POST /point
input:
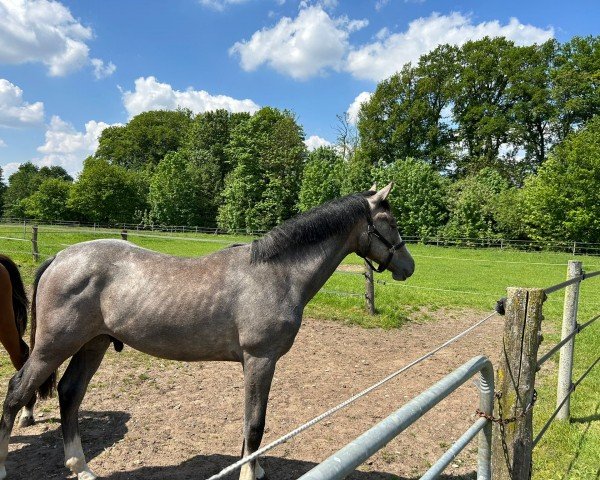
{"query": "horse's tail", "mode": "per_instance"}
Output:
(19, 296)
(49, 385)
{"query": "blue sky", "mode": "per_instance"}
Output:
(69, 69)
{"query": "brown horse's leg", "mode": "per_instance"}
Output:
(71, 390)
(258, 374)
(9, 336)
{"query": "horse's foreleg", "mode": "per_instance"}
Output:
(71, 390)
(258, 374)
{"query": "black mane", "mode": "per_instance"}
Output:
(332, 218)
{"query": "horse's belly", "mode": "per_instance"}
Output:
(180, 338)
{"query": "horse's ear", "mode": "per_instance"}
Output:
(382, 194)
(373, 187)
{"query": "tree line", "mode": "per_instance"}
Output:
(485, 140)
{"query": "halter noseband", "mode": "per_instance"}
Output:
(372, 230)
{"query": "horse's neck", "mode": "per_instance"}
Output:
(312, 266)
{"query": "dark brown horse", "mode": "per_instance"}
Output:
(13, 322)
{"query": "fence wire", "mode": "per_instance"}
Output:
(328, 413)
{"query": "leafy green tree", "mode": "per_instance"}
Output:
(21, 184)
(145, 140)
(357, 174)
(576, 83)
(508, 211)
(321, 179)
(532, 111)
(472, 204)
(2, 192)
(419, 199)
(481, 103)
(108, 193)
(268, 152)
(181, 193)
(563, 200)
(50, 200)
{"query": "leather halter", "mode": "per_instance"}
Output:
(372, 230)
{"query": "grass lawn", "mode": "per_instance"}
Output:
(444, 278)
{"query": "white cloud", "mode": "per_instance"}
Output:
(43, 31)
(14, 111)
(354, 107)
(380, 59)
(303, 47)
(314, 141)
(149, 94)
(102, 70)
(9, 169)
(220, 5)
(67, 147)
(2, 143)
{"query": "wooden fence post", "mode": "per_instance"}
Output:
(124, 234)
(565, 364)
(512, 442)
(369, 289)
(34, 243)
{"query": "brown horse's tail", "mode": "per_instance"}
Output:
(19, 296)
(49, 385)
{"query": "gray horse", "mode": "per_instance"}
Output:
(242, 304)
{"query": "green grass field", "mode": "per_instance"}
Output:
(444, 278)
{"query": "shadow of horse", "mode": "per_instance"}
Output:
(204, 466)
(41, 455)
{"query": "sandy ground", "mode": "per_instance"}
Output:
(146, 418)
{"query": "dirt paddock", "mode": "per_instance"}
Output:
(146, 418)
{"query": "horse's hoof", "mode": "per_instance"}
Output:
(260, 473)
(89, 475)
(27, 421)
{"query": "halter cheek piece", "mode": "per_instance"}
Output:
(371, 230)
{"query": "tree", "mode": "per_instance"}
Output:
(321, 179)
(532, 110)
(145, 140)
(357, 174)
(404, 117)
(108, 193)
(563, 200)
(268, 152)
(576, 83)
(472, 205)
(2, 192)
(481, 103)
(419, 201)
(50, 201)
(181, 192)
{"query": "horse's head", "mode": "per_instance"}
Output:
(381, 242)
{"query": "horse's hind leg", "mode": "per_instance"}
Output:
(21, 389)
(71, 390)
(26, 419)
(258, 374)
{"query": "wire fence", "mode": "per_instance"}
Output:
(20, 238)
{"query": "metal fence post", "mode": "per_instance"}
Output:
(369, 289)
(34, 243)
(512, 443)
(565, 364)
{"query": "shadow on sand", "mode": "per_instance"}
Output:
(41, 457)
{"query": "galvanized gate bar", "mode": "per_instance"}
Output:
(343, 462)
(439, 466)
